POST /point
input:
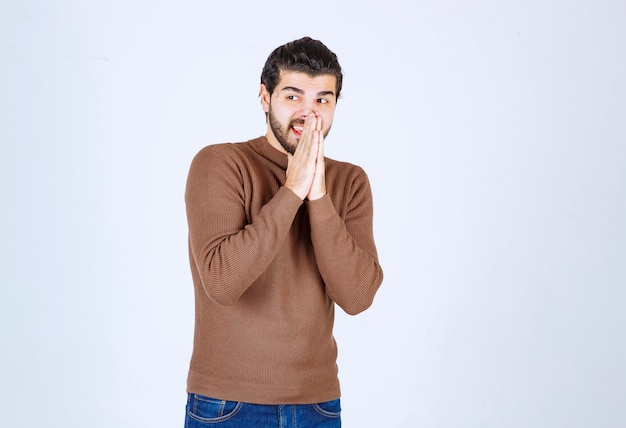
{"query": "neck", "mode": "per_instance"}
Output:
(271, 138)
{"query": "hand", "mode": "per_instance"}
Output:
(318, 186)
(302, 167)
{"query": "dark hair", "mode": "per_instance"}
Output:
(306, 55)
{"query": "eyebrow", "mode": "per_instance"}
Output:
(300, 91)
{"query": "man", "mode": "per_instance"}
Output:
(277, 235)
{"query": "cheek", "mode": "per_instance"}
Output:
(327, 120)
(279, 111)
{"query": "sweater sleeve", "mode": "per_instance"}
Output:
(228, 252)
(344, 247)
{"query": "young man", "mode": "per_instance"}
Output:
(278, 235)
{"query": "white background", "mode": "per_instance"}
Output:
(494, 135)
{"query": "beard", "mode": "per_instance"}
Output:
(282, 133)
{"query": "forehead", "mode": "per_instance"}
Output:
(306, 82)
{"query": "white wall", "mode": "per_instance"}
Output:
(494, 137)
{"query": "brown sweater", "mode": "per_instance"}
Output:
(267, 270)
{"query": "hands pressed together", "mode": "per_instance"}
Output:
(305, 168)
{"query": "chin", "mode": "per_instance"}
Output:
(289, 148)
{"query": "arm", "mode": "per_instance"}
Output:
(229, 253)
(344, 247)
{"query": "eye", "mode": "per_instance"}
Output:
(292, 97)
(322, 101)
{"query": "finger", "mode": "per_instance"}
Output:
(318, 126)
(312, 122)
(305, 142)
(306, 130)
(320, 146)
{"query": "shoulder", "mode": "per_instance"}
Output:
(225, 156)
(221, 151)
(217, 163)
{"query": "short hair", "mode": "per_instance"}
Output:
(305, 55)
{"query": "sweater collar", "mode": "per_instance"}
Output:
(265, 149)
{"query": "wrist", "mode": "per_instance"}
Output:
(300, 194)
(317, 195)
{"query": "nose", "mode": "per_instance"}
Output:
(308, 107)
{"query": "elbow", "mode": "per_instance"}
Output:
(355, 308)
(220, 294)
(219, 288)
(363, 299)
(222, 299)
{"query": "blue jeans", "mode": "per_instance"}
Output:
(205, 412)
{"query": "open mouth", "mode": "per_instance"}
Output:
(297, 127)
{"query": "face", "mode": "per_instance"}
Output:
(295, 96)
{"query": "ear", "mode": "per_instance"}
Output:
(265, 98)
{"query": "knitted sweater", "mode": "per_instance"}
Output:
(267, 270)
